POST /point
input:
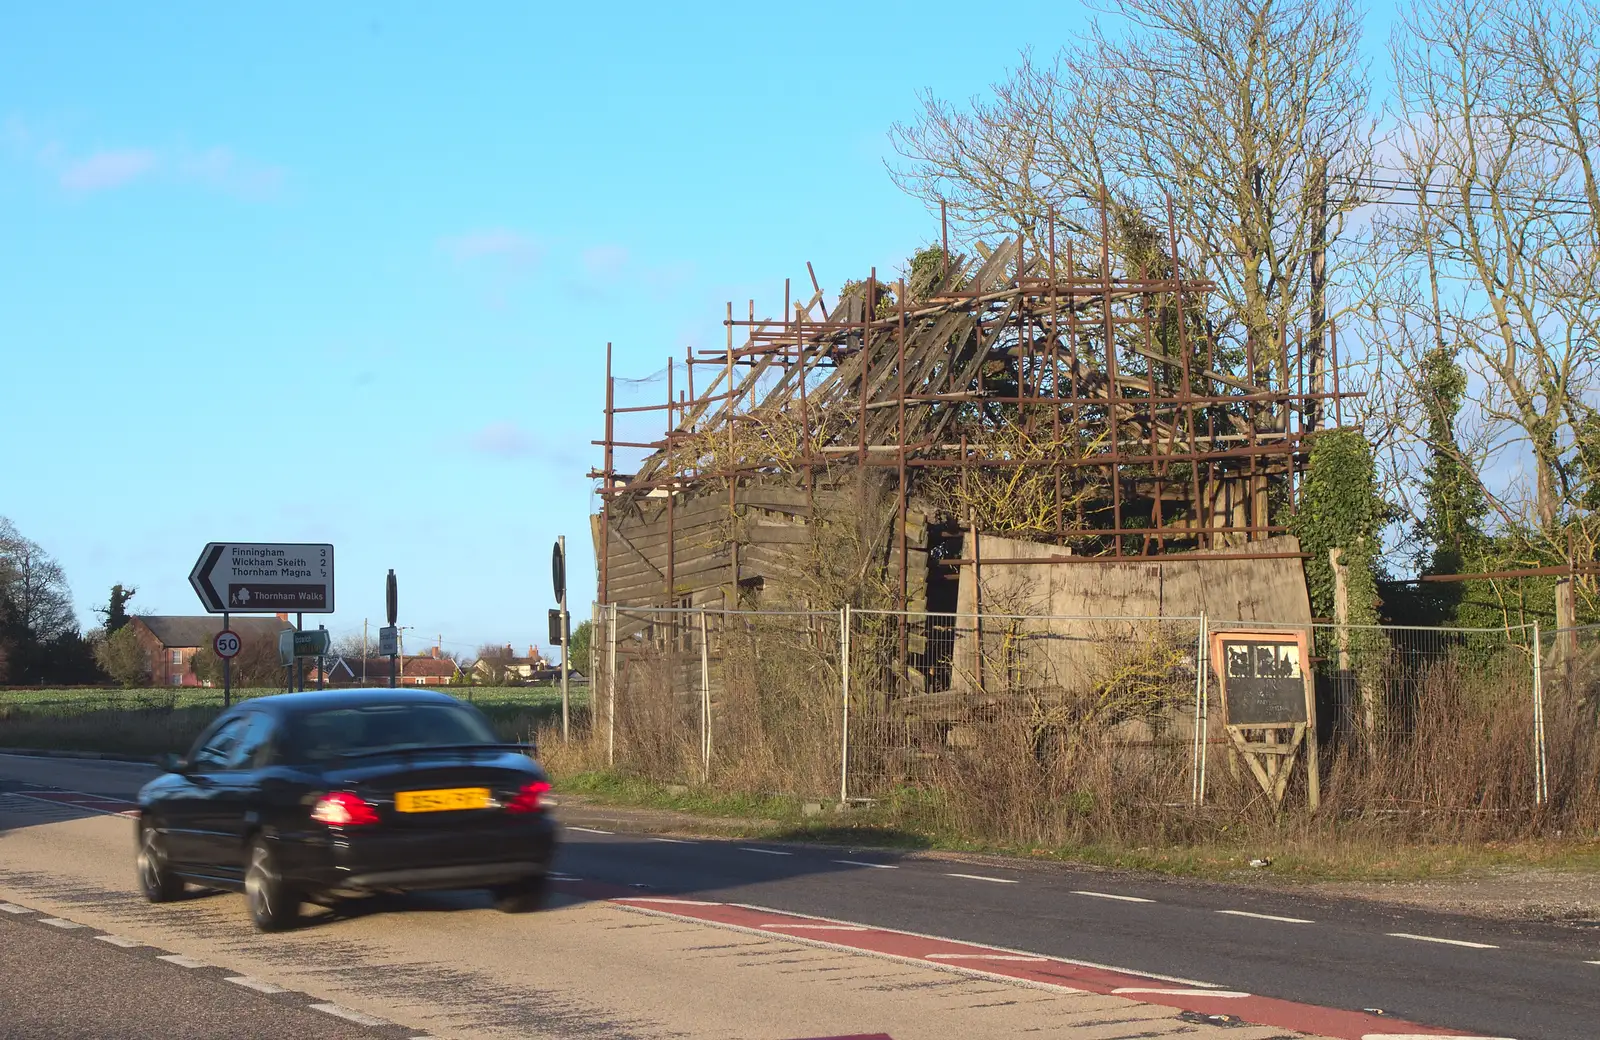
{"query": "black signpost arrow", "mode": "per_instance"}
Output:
(200, 578)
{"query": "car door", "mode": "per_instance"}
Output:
(232, 799)
(184, 806)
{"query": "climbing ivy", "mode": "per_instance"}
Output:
(1340, 507)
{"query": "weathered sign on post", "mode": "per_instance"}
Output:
(1269, 705)
(265, 578)
(389, 635)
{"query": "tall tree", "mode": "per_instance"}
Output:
(1499, 107)
(34, 585)
(116, 611)
(1242, 111)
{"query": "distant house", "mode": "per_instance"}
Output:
(509, 668)
(426, 670)
(169, 643)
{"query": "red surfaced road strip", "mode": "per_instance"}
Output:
(950, 953)
(1038, 969)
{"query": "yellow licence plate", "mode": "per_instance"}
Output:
(442, 801)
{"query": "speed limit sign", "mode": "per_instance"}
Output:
(226, 644)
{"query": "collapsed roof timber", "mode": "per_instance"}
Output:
(978, 394)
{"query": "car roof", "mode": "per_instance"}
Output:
(331, 700)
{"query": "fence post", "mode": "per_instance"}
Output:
(705, 698)
(611, 683)
(1198, 795)
(1541, 782)
(844, 672)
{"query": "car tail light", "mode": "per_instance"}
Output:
(343, 809)
(529, 799)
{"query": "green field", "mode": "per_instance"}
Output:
(150, 722)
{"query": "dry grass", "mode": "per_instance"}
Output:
(1448, 769)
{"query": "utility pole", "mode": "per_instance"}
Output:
(363, 651)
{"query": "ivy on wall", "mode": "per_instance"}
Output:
(1340, 508)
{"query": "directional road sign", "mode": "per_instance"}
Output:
(226, 644)
(265, 578)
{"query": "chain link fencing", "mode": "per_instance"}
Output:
(1071, 725)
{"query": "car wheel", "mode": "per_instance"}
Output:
(523, 897)
(274, 905)
(156, 878)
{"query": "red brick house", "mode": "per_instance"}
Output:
(170, 642)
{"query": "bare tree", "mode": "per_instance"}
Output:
(1245, 112)
(1496, 258)
(493, 662)
(34, 585)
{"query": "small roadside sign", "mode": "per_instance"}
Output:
(311, 642)
(227, 645)
(391, 598)
(558, 570)
(388, 641)
(265, 578)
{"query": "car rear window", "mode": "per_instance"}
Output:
(318, 735)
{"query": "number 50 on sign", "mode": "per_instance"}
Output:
(226, 644)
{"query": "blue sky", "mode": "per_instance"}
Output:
(346, 272)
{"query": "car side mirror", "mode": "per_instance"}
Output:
(171, 763)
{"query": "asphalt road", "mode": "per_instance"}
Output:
(1526, 981)
(59, 983)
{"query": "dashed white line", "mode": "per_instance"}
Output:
(1266, 917)
(982, 957)
(182, 961)
(588, 830)
(57, 922)
(256, 984)
(766, 852)
(862, 863)
(1447, 942)
(339, 1011)
(981, 877)
(1591, 962)
(675, 841)
(12, 908)
(1113, 895)
(119, 940)
(818, 927)
(1226, 994)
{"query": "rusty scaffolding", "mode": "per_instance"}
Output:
(1160, 434)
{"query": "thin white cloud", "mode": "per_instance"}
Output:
(511, 248)
(604, 261)
(108, 169)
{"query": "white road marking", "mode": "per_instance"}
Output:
(588, 830)
(1229, 994)
(672, 902)
(1267, 917)
(982, 957)
(980, 877)
(56, 922)
(256, 984)
(1113, 895)
(1447, 942)
(1586, 962)
(860, 863)
(766, 852)
(1424, 1036)
(339, 1011)
(819, 927)
(675, 841)
(119, 940)
(181, 961)
(12, 908)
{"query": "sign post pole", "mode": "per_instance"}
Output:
(392, 606)
(227, 670)
(558, 570)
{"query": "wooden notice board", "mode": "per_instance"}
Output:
(1268, 704)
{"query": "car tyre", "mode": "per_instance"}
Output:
(523, 897)
(157, 880)
(274, 904)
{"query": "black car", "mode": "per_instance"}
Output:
(318, 796)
